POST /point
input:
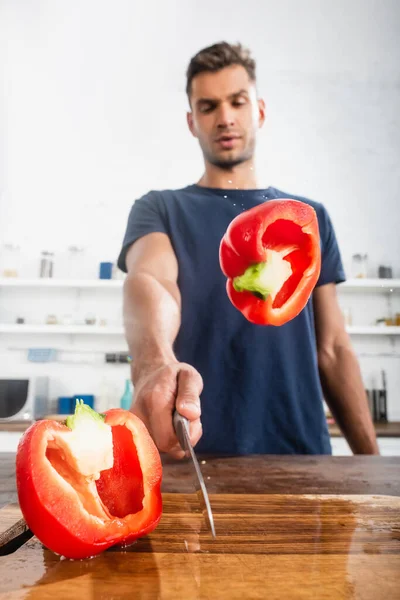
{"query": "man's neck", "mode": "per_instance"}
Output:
(240, 177)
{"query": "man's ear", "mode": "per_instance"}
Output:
(261, 112)
(190, 122)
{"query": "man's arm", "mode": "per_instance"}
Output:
(152, 302)
(152, 317)
(340, 373)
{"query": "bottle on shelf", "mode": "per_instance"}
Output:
(126, 398)
(104, 397)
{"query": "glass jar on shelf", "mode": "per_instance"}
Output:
(348, 319)
(75, 267)
(11, 257)
(359, 266)
(46, 264)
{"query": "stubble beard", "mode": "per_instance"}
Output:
(229, 162)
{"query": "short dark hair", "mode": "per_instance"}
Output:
(217, 57)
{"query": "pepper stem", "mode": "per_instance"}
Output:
(265, 278)
(83, 413)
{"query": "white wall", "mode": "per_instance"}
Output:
(94, 111)
(94, 115)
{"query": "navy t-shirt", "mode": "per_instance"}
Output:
(262, 392)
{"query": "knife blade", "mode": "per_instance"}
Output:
(181, 426)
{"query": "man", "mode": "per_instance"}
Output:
(260, 387)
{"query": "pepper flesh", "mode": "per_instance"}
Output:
(73, 512)
(271, 257)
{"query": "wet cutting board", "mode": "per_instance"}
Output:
(267, 546)
(11, 523)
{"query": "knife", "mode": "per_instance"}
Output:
(181, 426)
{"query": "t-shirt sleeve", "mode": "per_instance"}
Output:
(332, 270)
(146, 216)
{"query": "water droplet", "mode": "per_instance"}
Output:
(225, 196)
(234, 204)
(229, 180)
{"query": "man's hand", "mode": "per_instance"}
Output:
(158, 392)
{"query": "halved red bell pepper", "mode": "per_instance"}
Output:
(272, 259)
(89, 484)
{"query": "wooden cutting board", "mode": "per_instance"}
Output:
(11, 523)
(267, 546)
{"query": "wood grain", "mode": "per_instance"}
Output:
(268, 546)
(264, 475)
(11, 523)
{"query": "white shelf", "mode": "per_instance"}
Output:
(103, 330)
(371, 284)
(62, 283)
(62, 329)
(350, 284)
(373, 330)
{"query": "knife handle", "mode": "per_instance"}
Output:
(181, 424)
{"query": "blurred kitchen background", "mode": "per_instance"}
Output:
(93, 116)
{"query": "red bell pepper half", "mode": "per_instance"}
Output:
(272, 259)
(89, 484)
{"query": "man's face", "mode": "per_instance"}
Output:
(225, 115)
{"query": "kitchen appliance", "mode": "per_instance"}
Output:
(23, 399)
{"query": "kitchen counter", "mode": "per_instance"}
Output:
(288, 527)
(391, 429)
(15, 426)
